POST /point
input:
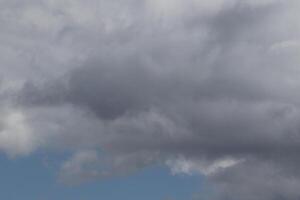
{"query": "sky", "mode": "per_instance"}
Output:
(150, 99)
(35, 178)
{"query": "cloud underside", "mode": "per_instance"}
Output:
(203, 87)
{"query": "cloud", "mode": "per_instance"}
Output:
(15, 134)
(88, 165)
(207, 87)
(183, 166)
(257, 180)
(80, 167)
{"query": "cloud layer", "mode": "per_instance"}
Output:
(206, 87)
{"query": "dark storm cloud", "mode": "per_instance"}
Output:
(213, 91)
(257, 180)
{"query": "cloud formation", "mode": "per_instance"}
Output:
(206, 87)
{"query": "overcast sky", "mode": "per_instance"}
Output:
(101, 89)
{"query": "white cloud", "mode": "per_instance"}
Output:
(182, 165)
(16, 137)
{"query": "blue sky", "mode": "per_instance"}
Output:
(32, 179)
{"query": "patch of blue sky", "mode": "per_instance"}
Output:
(35, 178)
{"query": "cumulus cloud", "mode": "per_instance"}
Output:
(207, 87)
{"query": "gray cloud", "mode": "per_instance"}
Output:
(257, 180)
(205, 87)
